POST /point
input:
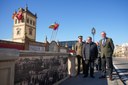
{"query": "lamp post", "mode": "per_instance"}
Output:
(93, 31)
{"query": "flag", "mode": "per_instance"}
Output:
(14, 14)
(54, 26)
(19, 15)
(51, 26)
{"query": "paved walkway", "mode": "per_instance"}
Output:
(121, 66)
(79, 80)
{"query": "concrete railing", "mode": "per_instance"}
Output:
(34, 67)
(39, 53)
(7, 65)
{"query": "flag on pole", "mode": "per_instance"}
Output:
(18, 15)
(14, 14)
(54, 26)
(51, 26)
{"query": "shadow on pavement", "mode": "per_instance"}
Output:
(79, 80)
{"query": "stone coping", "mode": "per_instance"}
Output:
(8, 54)
(12, 54)
(40, 53)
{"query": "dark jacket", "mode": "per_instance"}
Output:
(107, 50)
(90, 51)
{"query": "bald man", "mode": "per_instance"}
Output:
(107, 48)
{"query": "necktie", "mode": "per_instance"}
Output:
(103, 42)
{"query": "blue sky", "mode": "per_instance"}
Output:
(76, 17)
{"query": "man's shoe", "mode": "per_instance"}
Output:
(92, 76)
(110, 78)
(101, 77)
(85, 76)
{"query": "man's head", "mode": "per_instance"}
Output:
(89, 39)
(80, 38)
(103, 34)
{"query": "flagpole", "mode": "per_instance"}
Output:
(56, 33)
(51, 36)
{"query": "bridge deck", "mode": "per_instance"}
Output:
(79, 80)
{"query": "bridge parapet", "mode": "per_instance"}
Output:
(23, 67)
(7, 65)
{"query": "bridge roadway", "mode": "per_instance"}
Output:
(121, 66)
(120, 76)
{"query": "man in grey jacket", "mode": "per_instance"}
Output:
(90, 53)
(107, 48)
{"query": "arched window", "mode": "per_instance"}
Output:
(31, 22)
(27, 20)
(30, 31)
(18, 31)
(15, 21)
(22, 19)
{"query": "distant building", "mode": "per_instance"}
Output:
(121, 50)
(24, 35)
(24, 32)
(12, 45)
(26, 27)
(69, 44)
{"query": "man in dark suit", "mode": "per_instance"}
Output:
(107, 48)
(90, 53)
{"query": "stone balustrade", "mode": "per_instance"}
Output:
(7, 65)
(28, 67)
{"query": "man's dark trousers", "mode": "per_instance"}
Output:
(89, 65)
(106, 61)
(79, 59)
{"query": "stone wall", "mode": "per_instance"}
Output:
(7, 65)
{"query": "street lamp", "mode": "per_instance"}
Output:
(93, 32)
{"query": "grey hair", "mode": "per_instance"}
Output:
(103, 32)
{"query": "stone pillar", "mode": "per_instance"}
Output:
(7, 65)
(71, 65)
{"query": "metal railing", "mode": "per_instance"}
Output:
(40, 68)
